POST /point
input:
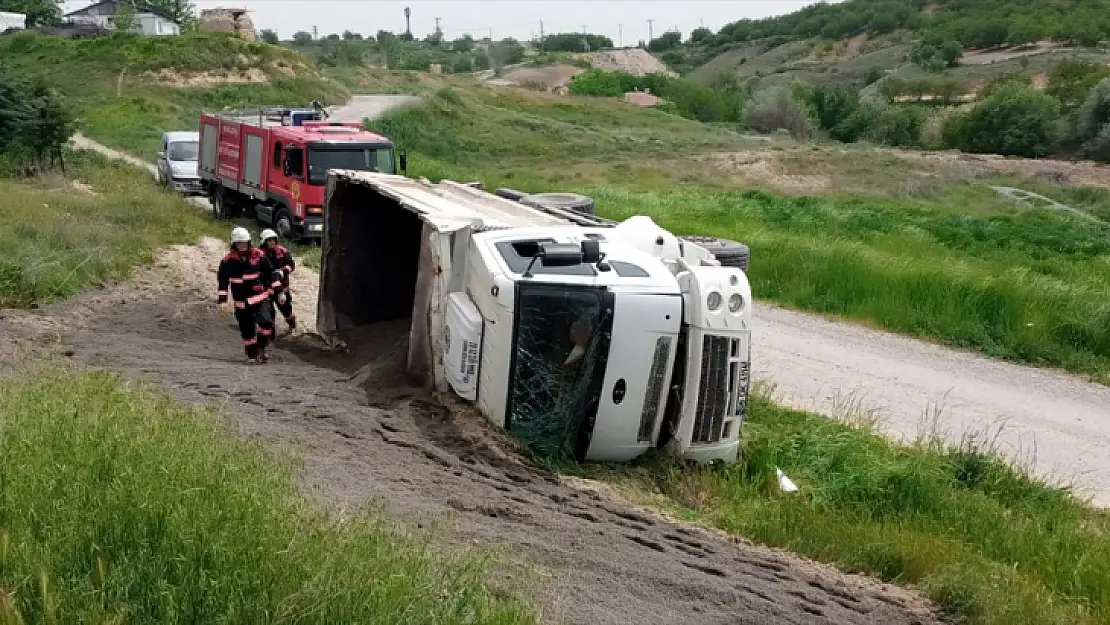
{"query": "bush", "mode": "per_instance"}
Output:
(898, 126)
(596, 82)
(777, 108)
(1095, 112)
(1072, 80)
(34, 121)
(1015, 121)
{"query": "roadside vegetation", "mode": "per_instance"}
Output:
(981, 538)
(954, 262)
(62, 233)
(121, 506)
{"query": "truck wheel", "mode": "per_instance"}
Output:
(567, 201)
(509, 194)
(219, 206)
(729, 253)
(283, 224)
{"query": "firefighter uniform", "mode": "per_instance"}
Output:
(252, 282)
(282, 261)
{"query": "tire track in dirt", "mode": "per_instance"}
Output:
(365, 433)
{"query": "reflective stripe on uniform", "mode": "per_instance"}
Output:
(254, 299)
(250, 341)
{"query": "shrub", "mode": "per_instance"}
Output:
(1095, 112)
(1015, 121)
(898, 126)
(777, 108)
(1072, 80)
(598, 82)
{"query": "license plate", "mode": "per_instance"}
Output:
(316, 227)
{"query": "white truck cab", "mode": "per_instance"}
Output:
(598, 343)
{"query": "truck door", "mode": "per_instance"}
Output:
(644, 337)
(289, 177)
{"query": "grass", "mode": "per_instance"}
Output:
(946, 259)
(118, 505)
(982, 539)
(57, 238)
(116, 85)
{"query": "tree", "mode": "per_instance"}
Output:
(506, 52)
(464, 44)
(1015, 120)
(301, 37)
(1024, 30)
(1073, 79)
(383, 36)
(667, 41)
(700, 35)
(951, 52)
(34, 121)
(270, 37)
(1095, 112)
(38, 12)
(125, 19)
(181, 11)
(351, 36)
(777, 108)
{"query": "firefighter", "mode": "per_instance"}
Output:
(252, 280)
(282, 261)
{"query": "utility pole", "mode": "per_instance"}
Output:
(650, 32)
(541, 36)
(437, 24)
(620, 35)
(314, 32)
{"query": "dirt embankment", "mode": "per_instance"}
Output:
(364, 432)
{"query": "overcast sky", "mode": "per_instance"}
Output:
(505, 18)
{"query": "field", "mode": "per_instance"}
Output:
(121, 506)
(931, 252)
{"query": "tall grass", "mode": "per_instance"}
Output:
(57, 238)
(986, 541)
(118, 506)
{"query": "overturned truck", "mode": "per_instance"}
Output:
(595, 339)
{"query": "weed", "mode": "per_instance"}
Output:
(119, 506)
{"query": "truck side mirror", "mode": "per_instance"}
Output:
(404, 158)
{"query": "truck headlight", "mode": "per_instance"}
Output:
(735, 302)
(713, 302)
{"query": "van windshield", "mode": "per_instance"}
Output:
(321, 159)
(183, 151)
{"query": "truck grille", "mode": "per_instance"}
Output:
(656, 385)
(713, 390)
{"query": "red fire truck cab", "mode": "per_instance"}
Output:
(274, 169)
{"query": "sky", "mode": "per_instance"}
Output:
(622, 20)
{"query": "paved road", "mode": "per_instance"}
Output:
(836, 368)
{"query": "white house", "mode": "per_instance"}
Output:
(12, 21)
(102, 14)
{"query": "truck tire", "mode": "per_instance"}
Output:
(729, 253)
(218, 199)
(567, 201)
(283, 224)
(510, 194)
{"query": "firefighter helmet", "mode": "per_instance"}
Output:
(267, 234)
(240, 235)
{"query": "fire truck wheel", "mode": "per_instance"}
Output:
(283, 224)
(218, 200)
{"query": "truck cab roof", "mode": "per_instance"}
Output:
(337, 132)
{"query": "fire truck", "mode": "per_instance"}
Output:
(271, 164)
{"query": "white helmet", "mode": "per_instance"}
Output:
(240, 235)
(267, 234)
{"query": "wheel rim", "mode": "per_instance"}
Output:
(283, 226)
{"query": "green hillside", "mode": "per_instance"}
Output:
(128, 89)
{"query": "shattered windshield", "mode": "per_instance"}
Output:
(183, 151)
(560, 353)
(320, 160)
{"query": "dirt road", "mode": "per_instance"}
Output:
(364, 433)
(835, 367)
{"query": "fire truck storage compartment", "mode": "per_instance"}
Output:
(209, 140)
(253, 171)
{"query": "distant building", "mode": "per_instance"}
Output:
(103, 13)
(11, 22)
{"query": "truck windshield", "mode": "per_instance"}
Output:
(560, 352)
(182, 151)
(320, 160)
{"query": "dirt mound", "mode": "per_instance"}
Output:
(635, 61)
(223, 20)
(365, 432)
(549, 77)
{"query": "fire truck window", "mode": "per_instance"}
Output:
(294, 159)
(277, 154)
(320, 160)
